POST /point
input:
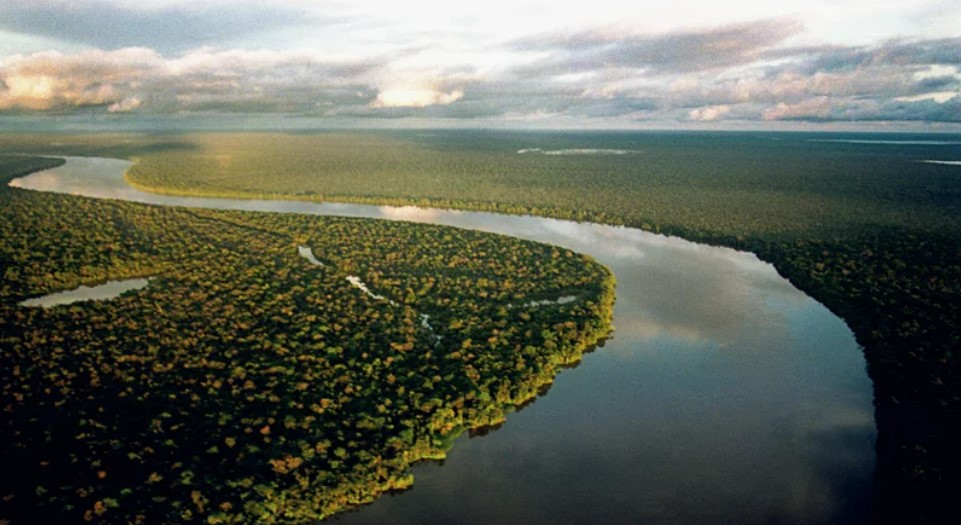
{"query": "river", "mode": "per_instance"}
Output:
(725, 396)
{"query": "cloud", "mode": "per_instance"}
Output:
(124, 106)
(406, 96)
(203, 80)
(897, 53)
(689, 50)
(709, 76)
(818, 108)
(708, 113)
(166, 28)
(826, 109)
(868, 83)
(938, 96)
(51, 80)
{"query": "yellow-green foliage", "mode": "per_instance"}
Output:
(866, 229)
(245, 384)
(716, 190)
(694, 187)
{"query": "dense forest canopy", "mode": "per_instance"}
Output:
(864, 226)
(247, 383)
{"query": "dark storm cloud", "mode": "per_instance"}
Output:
(172, 29)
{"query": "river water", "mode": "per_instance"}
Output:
(725, 396)
(107, 290)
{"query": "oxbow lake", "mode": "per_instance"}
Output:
(100, 292)
(725, 396)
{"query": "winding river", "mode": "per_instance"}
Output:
(725, 396)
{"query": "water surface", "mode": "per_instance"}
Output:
(102, 292)
(725, 396)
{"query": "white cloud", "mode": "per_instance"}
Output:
(940, 97)
(51, 80)
(938, 70)
(815, 108)
(128, 79)
(709, 113)
(124, 106)
(606, 62)
(415, 97)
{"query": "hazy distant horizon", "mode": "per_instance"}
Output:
(280, 123)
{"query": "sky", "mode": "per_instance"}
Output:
(737, 64)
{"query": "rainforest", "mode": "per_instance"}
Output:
(248, 382)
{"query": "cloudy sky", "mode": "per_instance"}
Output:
(873, 64)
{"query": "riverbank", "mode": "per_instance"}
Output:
(707, 314)
(221, 392)
(862, 226)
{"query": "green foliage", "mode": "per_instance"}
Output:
(703, 185)
(869, 232)
(245, 384)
